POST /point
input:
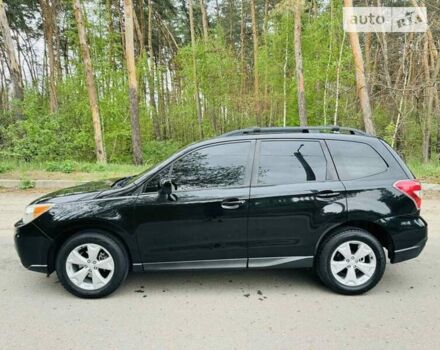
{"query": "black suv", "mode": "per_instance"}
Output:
(324, 197)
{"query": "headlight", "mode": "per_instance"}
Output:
(34, 211)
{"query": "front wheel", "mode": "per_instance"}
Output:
(91, 265)
(351, 261)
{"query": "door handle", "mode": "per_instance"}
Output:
(327, 194)
(233, 203)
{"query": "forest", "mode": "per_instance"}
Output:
(131, 81)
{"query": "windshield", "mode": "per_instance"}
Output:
(133, 178)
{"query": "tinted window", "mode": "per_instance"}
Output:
(289, 162)
(355, 160)
(153, 184)
(214, 166)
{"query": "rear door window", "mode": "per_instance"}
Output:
(356, 160)
(290, 162)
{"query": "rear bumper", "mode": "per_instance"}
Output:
(32, 246)
(408, 253)
(409, 235)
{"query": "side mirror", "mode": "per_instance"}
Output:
(167, 186)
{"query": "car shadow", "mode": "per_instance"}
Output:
(221, 280)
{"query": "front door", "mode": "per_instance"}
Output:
(295, 197)
(203, 223)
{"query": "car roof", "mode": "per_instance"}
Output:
(296, 129)
(318, 132)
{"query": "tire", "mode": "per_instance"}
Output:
(92, 264)
(364, 261)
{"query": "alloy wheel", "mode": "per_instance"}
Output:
(353, 263)
(90, 266)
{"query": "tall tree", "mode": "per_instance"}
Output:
(204, 20)
(195, 79)
(91, 87)
(361, 81)
(132, 83)
(256, 73)
(150, 73)
(243, 46)
(13, 62)
(49, 23)
(299, 65)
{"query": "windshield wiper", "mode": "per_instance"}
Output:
(121, 182)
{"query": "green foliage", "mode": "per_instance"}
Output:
(5, 167)
(157, 151)
(43, 136)
(26, 184)
(64, 141)
(64, 167)
(428, 172)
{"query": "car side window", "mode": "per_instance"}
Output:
(356, 160)
(153, 184)
(290, 162)
(214, 166)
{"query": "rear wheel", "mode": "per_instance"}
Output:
(91, 265)
(351, 261)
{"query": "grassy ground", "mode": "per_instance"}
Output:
(428, 172)
(67, 170)
(79, 171)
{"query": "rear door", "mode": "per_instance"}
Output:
(295, 197)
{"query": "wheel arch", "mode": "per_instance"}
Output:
(380, 233)
(91, 226)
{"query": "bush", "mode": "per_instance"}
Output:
(26, 184)
(64, 167)
(5, 167)
(157, 151)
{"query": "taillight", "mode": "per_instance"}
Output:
(412, 189)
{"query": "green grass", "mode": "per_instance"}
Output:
(428, 172)
(26, 184)
(66, 170)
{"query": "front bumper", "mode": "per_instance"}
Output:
(32, 246)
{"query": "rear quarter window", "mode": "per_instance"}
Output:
(356, 160)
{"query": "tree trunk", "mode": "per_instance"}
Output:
(267, 100)
(330, 50)
(256, 75)
(338, 79)
(361, 81)
(437, 112)
(395, 142)
(111, 30)
(57, 39)
(299, 66)
(132, 83)
(430, 97)
(286, 59)
(13, 63)
(150, 74)
(91, 88)
(204, 20)
(49, 28)
(195, 80)
(242, 48)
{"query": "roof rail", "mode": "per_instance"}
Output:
(297, 129)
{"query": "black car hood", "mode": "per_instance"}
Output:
(84, 191)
